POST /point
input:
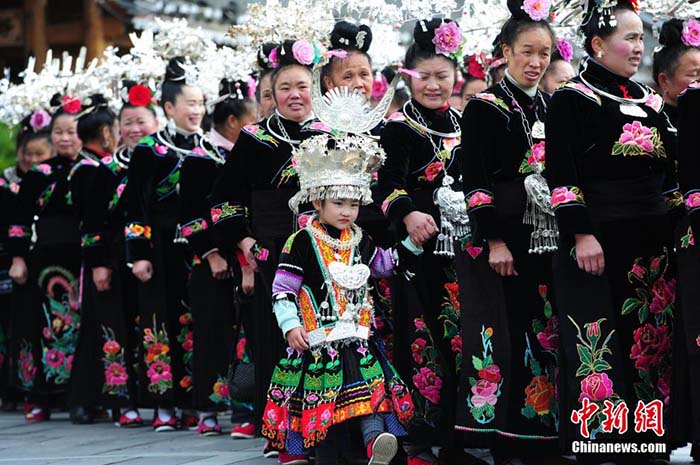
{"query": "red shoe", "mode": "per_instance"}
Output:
(126, 422)
(382, 449)
(204, 430)
(42, 415)
(190, 422)
(286, 459)
(243, 431)
(160, 426)
(419, 461)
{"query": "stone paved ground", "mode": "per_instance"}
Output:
(59, 443)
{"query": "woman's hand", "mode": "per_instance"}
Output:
(245, 245)
(102, 277)
(18, 271)
(218, 266)
(589, 254)
(247, 279)
(420, 226)
(500, 258)
(297, 339)
(143, 270)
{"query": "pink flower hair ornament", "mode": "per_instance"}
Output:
(449, 40)
(537, 10)
(691, 33)
(565, 50)
(39, 120)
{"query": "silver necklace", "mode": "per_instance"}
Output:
(537, 131)
(628, 106)
(284, 136)
(336, 244)
(420, 122)
(538, 211)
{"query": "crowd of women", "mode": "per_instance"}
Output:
(531, 277)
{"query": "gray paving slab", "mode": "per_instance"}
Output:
(58, 442)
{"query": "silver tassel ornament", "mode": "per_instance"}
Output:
(454, 220)
(540, 215)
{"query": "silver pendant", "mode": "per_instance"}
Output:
(632, 110)
(538, 130)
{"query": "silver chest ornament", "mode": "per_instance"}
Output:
(540, 214)
(454, 220)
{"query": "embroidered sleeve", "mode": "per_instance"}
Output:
(565, 144)
(400, 258)
(289, 276)
(482, 125)
(28, 205)
(229, 200)
(138, 197)
(393, 177)
(196, 180)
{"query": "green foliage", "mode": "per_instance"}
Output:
(7, 146)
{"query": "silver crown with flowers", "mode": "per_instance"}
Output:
(337, 166)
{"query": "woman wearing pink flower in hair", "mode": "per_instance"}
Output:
(33, 147)
(509, 322)
(250, 199)
(421, 143)
(44, 244)
(678, 63)
(560, 69)
(611, 153)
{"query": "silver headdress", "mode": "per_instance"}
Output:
(336, 167)
(347, 110)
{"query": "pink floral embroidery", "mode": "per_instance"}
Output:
(596, 387)
(161, 149)
(651, 345)
(450, 143)
(655, 101)
(549, 338)
(585, 90)
(198, 151)
(16, 231)
(486, 390)
(320, 126)
(537, 10)
(564, 194)
(479, 198)
(693, 200)
(44, 168)
(638, 135)
(428, 384)
(433, 170)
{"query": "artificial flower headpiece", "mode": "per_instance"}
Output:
(447, 38)
(137, 95)
(476, 66)
(338, 166)
(691, 33)
(566, 51)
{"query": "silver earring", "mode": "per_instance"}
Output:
(600, 54)
(171, 128)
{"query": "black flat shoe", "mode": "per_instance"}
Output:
(695, 452)
(81, 416)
